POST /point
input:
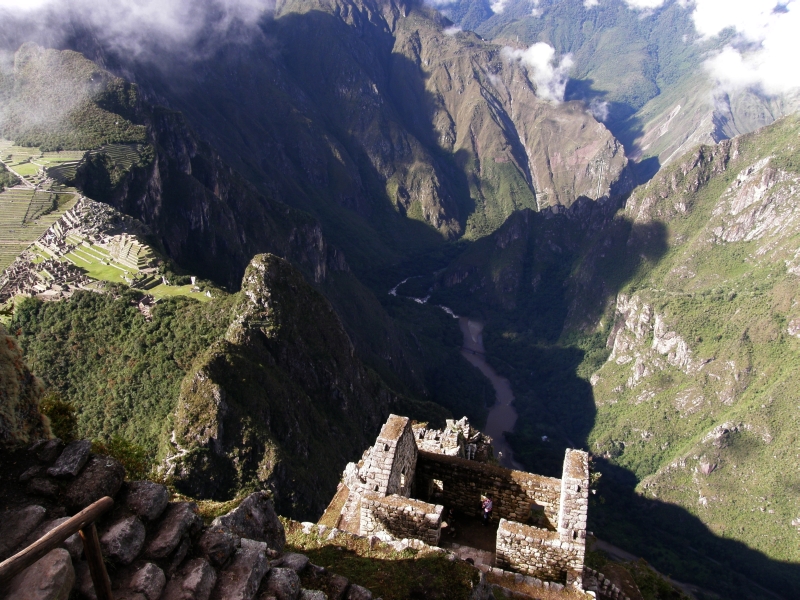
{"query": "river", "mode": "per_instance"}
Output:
(502, 415)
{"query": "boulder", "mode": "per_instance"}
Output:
(255, 519)
(292, 560)
(123, 541)
(102, 476)
(16, 526)
(42, 486)
(283, 584)
(194, 581)
(50, 450)
(71, 460)
(148, 580)
(356, 592)
(312, 595)
(240, 581)
(218, 544)
(73, 544)
(337, 586)
(146, 499)
(50, 578)
(179, 519)
(34, 471)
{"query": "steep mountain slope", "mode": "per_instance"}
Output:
(261, 388)
(642, 69)
(392, 133)
(663, 339)
(698, 397)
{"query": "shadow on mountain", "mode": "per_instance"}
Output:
(680, 545)
(540, 284)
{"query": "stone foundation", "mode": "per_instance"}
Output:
(401, 518)
(539, 553)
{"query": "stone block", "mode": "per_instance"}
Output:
(149, 580)
(218, 544)
(356, 592)
(42, 486)
(122, 542)
(71, 460)
(282, 583)
(50, 450)
(50, 578)
(73, 544)
(102, 476)
(312, 595)
(337, 586)
(294, 561)
(34, 471)
(179, 519)
(194, 581)
(146, 499)
(255, 519)
(16, 526)
(241, 579)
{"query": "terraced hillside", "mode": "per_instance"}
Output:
(25, 214)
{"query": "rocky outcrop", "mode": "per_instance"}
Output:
(170, 556)
(20, 393)
(282, 398)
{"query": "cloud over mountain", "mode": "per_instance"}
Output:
(549, 77)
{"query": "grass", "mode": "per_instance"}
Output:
(388, 574)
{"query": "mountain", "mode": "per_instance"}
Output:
(392, 133)
(665, 339)
(641, 70)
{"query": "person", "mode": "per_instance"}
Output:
(487, 506)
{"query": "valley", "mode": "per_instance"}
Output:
(197, 252)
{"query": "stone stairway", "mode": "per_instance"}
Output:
(155, 549)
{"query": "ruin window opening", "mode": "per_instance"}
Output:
(386, 447)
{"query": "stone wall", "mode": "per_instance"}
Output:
(574, 500)
(539, 553)
(401, 518)
(459, 483)
(390, 464)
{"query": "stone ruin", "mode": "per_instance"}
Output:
(401, 485)
(87, 222)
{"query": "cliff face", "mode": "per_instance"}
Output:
(281, 401)
(20, 391)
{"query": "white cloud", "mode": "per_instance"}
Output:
(549, 79)
(498, 6)
(536, 11)
(765, 46)
(599, 110)
(644, 4)
(590, 3)
(452, 30)
(140, 26)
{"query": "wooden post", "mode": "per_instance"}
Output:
(97, 568)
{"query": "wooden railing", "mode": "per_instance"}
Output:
(82, 523)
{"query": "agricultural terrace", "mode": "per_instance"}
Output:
(25, 214)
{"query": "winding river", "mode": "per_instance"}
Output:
(502, 415)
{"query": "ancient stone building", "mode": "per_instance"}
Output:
(401, 486)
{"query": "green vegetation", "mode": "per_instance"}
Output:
(121, 371)
(137, 461)
(62, 101)
(385, 572)
(698, 448)
(7, 179)
(63, 422)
